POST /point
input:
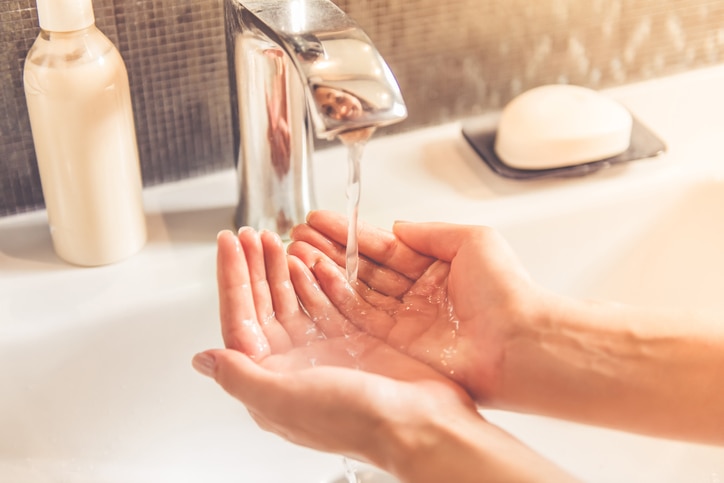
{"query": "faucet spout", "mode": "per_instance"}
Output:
(298, 69)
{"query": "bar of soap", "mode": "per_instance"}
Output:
(554, 126)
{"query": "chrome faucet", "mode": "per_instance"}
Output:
(297, 68)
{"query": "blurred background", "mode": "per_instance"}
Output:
(452, 58)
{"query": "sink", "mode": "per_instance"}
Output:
(95, 364)
(112, 398)
(662, 246)
(95, 368)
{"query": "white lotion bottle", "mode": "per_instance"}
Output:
(79, 102)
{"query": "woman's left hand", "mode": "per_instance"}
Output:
(306, 373)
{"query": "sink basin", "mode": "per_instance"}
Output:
(662, 246)
(95, 363)
(115, 401)
(648, 235)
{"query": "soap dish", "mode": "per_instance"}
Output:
(644, 144)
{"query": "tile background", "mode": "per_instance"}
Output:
(453, 59)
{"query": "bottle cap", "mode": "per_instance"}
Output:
(65, 15)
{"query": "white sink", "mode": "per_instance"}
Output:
(95, 376)
(662, 246)
(659, 246)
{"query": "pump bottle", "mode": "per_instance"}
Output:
(79, 102)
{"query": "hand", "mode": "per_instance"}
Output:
(309, 375)
(317, 380)
(453, 297)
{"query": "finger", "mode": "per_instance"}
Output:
(350, 304)
(380, 301)
(310, 249)
(445, 241)
(242, 378)
(298, 326)
(439, 240)
(430, 283)
(321, 310)
(254, 254)
(377, 244)
(284, 300)
(380, 278)
(295, 405)
(314, 237)
(421, 310)
(239, 327)
(385, 298)
(270, 397)
(255, 259)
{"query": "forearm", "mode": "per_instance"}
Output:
(465, 449)
(660, 373)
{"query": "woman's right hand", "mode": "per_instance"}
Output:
(456, 298)
(452, 296)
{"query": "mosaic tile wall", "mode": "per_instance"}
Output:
(453, 59)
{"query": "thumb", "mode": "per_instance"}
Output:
(438, 240)
(237, 374)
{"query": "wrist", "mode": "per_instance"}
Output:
(657, 362)
(420, 452)
(462, 447)
(531, 318)
(547, 354)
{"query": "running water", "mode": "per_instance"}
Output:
(353, 196)
(350, 470)
(355, 142)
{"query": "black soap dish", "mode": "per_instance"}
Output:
(644, 144)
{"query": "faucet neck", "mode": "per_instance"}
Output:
(348, 84)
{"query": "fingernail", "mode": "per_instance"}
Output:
(222, 233)
(205, 363)
(400, 222)
(292, 231)
(271, 235)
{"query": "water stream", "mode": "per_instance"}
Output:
(355, 142)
